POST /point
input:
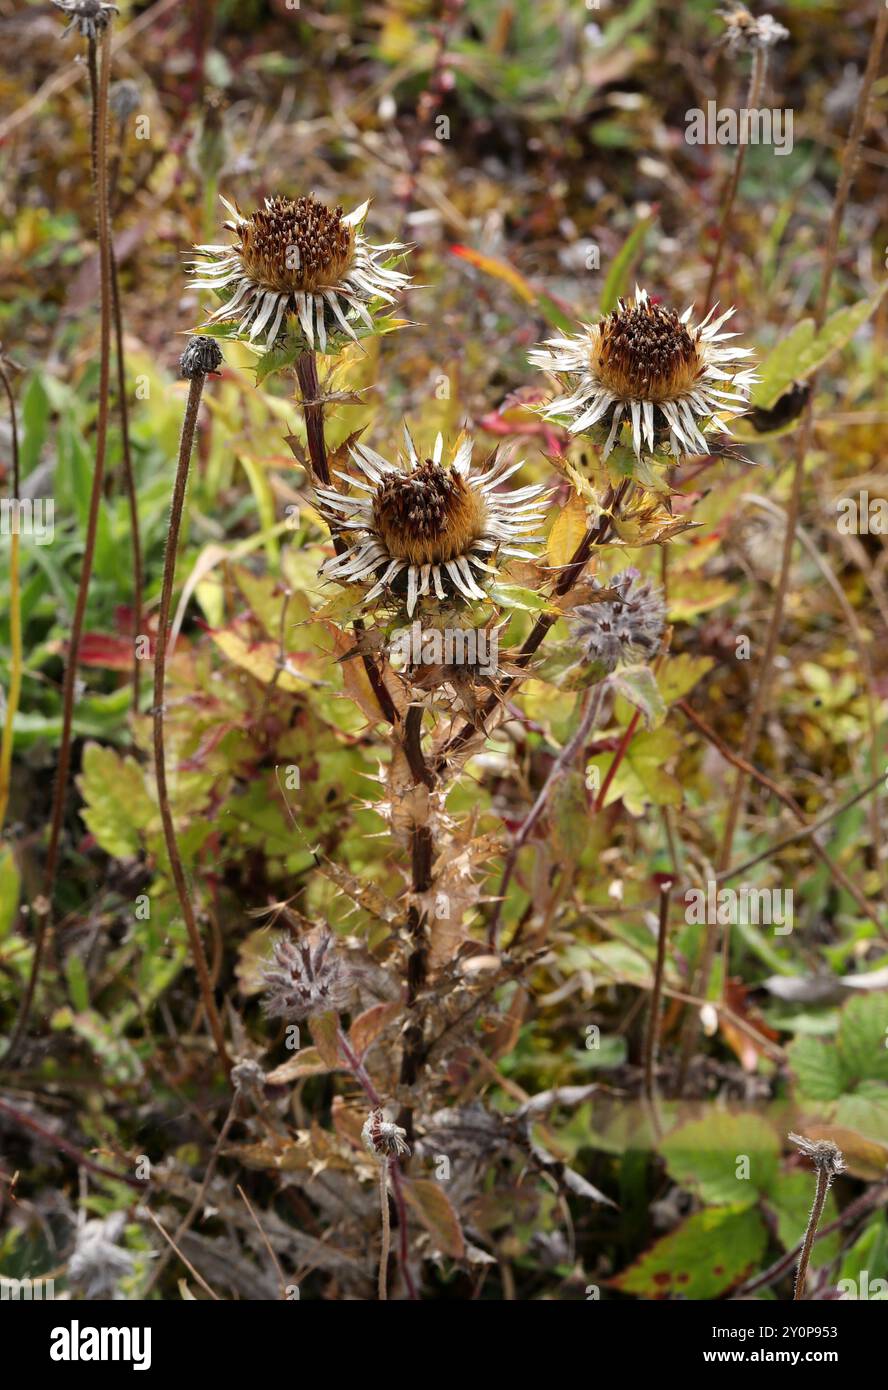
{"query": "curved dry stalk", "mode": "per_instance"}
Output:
(15, 616)
(128, 477)
(756, 85)
(198, 954)
(99, 77)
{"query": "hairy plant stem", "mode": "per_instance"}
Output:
(313, 409)
(14, 690)
(763, 688)
(128, 477)
(359, 1072)
(652, 1037)
(385, 1243)
(99, 78)
(198, 954)
(756, 83)
(820, 1195)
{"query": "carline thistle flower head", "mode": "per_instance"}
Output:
(645, 366)
(621, 627)
(89, 17)
(422, 524)
(306, 977)
(298, 257)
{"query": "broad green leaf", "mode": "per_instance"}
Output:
(641, 779)
(817, 1068)
(679, 674)
(118, 807)
(728, 1159)
(638, 685)
(707, 1254)
(790, 1198)
(863, 1038)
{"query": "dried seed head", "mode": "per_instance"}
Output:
(627, 622)
(744, 32)
(427, 516)
(295, 246)
(307, 977)
(89, 17)
(645, 352)
(826, 1156)
(383, 1138)
(202, 356)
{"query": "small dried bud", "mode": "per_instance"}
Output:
(124, 98)
(383, 1138)
(745, 32)
(247, 1075)
(89, 17)
(826, 1157)
(202, 356)
(307, 977)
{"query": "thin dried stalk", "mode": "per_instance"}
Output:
(14, 691)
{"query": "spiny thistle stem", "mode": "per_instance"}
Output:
(14, 691)
(169, 832)
(99, 77)
(309, 387)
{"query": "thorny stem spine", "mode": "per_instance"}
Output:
(309, 387)
(99, 77)
(169, 573)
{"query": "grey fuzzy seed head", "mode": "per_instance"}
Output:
(124, 98)
(247, 1075)
(307, 977)
(202, 356)
(826, 1156)
(98, 1263)
(623, 627)
(746, 32)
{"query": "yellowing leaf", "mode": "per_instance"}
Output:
(569, 529)
(432, 1205)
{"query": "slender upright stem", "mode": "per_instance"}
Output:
(169, 831)
(820, 1195)
(128, 477)
(763, 688)
(652, 1039)
(385, 1245)
(756, 83)
(421, 859)
(99, 77)
(14, 690)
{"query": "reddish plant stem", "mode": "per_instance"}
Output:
(99, 77)
(56, 1141)
(169, 832)
(128, 476)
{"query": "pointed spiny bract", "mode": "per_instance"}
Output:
(424, 527)
(301, 267)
